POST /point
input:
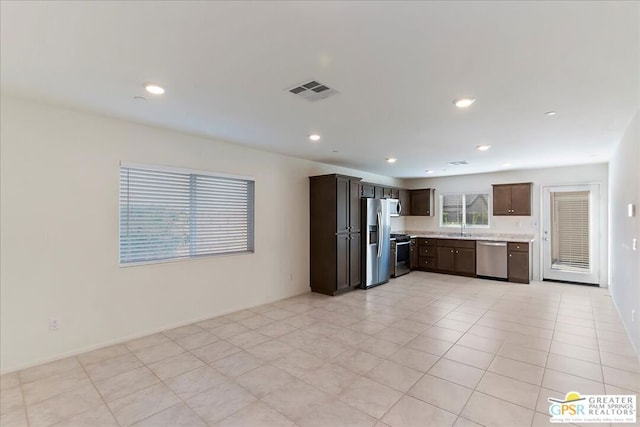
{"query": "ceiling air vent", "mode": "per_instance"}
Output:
(459, 162)
(313, 91)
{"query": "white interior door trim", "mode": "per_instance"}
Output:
(547, 272)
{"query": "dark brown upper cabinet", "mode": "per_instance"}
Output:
(422, 202)
(512, 199)
(405, 201)
(348, 204)
(379, 192)
(367, 190)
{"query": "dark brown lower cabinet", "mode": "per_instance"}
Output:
(427, 263)
(343, 261)
(348, 269)
(466, 261)
(518, 263)
(427, 254)
(456, 256)
(355, 267)
(413, 254)
(446, 258)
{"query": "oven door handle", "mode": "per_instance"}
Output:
(402, 243)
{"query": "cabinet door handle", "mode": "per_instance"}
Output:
(457, 252)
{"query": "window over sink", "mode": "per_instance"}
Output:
(468, 210)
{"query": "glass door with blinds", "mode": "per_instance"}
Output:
(570, 233)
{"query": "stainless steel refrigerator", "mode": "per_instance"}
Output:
(376, 225)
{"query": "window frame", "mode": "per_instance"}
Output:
(191, 173)
(463, 223)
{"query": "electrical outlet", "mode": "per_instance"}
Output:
(634, 245)
(54, 324)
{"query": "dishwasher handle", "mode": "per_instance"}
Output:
(492, 243)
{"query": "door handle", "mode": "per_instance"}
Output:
(379, 219)
(492, 243)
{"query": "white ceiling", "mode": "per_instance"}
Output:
(397, 66)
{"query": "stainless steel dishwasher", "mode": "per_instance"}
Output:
(491, 259)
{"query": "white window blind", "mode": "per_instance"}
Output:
(172, 214)
(570, 234)
(451, 209)
(468, 210)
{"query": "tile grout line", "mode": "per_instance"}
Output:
(24, 402)
(441, 297)
(544, 372)
(403, 394)
(104, 402)
(169, 388)
(475, 388)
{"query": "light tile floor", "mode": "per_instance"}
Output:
(423, 350)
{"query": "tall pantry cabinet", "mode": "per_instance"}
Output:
(335, 252)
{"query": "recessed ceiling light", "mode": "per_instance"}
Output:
(463, 102)
(506, 165)
(314, 137)
(154, 88)
(429, 171)
(550, 113)
(484, 147)
(335, 151)
(391, 160)
(139, 98)
(459, 163)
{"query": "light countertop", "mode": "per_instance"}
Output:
(472, 235)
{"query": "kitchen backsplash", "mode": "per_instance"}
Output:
(506, 225)
(398, 223)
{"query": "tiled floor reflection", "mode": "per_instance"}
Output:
(423, 350)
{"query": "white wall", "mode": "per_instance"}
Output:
(59, 233)
(596, 173)
(624, 188)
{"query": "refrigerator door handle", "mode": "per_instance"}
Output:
(379, 226)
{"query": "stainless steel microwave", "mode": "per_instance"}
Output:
(395, 207)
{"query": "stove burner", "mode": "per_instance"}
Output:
(400, 237)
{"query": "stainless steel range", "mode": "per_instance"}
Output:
(400, 254)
